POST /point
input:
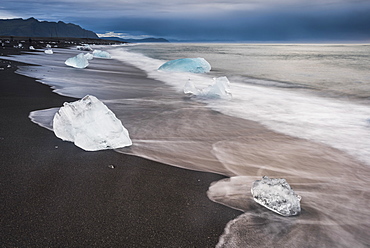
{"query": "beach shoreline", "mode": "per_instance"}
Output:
(55, 194)
(107, 191)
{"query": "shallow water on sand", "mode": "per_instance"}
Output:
(232, 138)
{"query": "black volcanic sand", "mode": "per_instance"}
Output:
(10, 42)
(54, 194)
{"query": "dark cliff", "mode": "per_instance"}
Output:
(34, 28)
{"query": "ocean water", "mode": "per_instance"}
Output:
(298, 111)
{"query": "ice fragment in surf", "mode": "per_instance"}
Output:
(219, 89)
(78, 61)
(48, 51)
(190, 88)
(276, 195)
(31, 48)
(194, 65)
(84, 48)
(101, 54)
(89, 56)
(90, 125)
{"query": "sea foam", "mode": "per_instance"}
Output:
(338, 123)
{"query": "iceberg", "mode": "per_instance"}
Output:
(101, 54)
(48, 51)
(276, 195)
(90, 125)
(79, 61)
(194, 65)
(219, 89)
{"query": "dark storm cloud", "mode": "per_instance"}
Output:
(234, 20)
(274, 25)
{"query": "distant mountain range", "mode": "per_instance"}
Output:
(147, 40)
(34, 28)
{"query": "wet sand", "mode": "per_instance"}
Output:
(54, 194)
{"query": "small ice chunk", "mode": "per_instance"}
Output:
(219, 89)
(101, 54)
(276, 195)
(49, 51)
(31, 48)
(194, 65)
(48, 46)
(90, 125)
(190, 88)
(78, 61)
(84, 48)
(89, 56)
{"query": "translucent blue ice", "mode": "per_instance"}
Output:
(219, 89)
(89, 56)
(101, 54)
(79, 61)
(194, 65)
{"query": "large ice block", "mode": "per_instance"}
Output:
(90, 125)
(194, 65)
(276, 195)
(79, 61)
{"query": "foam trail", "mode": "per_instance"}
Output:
(337, 123)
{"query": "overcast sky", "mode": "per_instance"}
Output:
(213, 20)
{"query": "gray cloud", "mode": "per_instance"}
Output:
(239, 20)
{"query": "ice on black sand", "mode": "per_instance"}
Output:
(85, 47)
(91, 125)
(276, 195)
